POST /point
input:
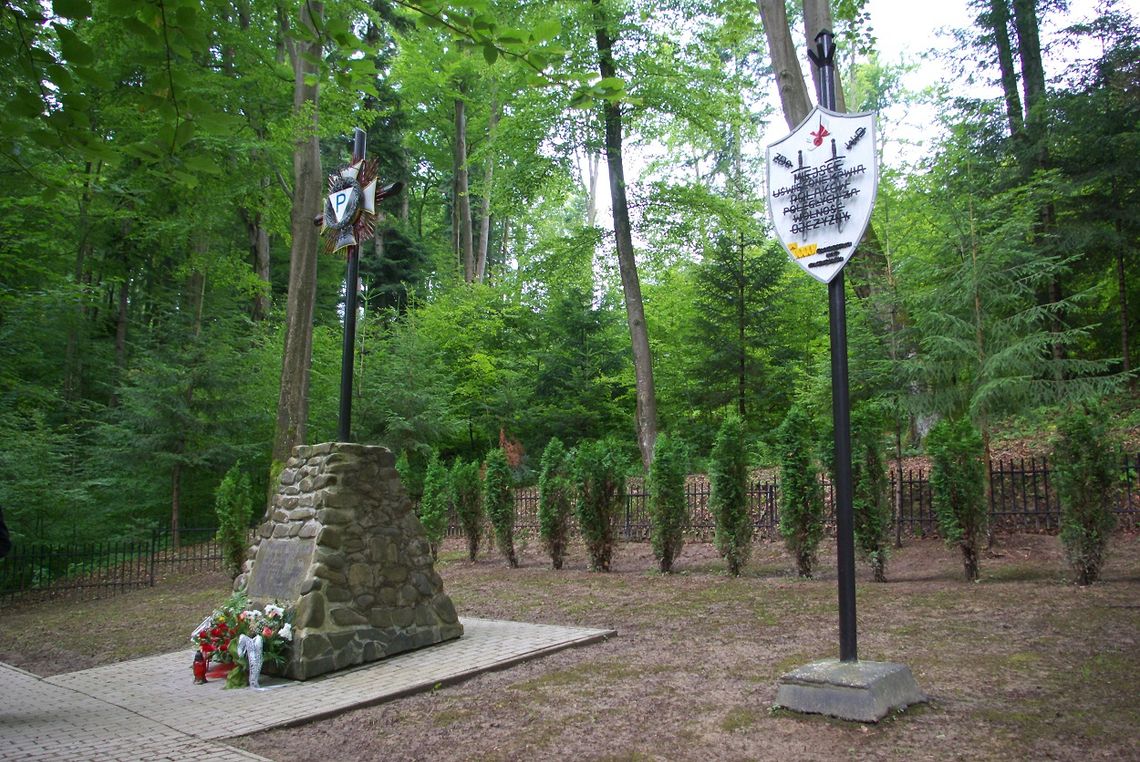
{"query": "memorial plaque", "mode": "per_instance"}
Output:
(279, 569)
(821, 189)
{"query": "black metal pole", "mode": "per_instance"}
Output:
(344, 422)
(824, 59)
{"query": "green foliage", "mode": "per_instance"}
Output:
(728, 501)
(801, 494)
(668, 506)
(957, 487)
(233, 504)
(598, 471)
(434, 503)
(411, 478)
(500, 501)
(740, 310)
(467, 497)
(871, 509)
(1086, 472)
(555, 501)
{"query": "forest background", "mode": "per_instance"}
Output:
(163, 161)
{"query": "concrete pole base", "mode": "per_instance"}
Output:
(861, 691)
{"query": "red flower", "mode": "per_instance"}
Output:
(267, 632)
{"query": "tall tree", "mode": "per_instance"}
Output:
(305, 50)
(646, 412)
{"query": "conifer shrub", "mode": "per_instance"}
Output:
(728, 497)
(467, 499)
(668, 508)
(500, 502)
(801, 494)
(411, 475)
(1087, 477)
(555, 501)
(957, 487)
(434, 502)
(871, 510)
(233, 505)
(598, 472)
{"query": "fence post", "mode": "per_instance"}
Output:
(153, 553)
(628, 512)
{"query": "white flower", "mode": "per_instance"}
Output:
(286, 632)
(272, 610)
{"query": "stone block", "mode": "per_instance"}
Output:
(330, 537)
(445, 609)
(333, 576)
(310, 611)
(314, 645)
(334, 516)
(861, 691)
(347, 617)
(360, 576)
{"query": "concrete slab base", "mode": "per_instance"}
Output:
(862, 691)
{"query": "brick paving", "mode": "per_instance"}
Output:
(150, 709)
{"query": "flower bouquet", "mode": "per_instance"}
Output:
(218, 636)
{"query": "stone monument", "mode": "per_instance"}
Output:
(343, 547)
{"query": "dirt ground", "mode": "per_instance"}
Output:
(1020, 665)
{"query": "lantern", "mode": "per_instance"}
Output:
(199, 668)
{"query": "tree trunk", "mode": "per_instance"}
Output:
(742, 357)
(485, 209)
(462, 199)
(293, 400)
(259, 251)
(817, 17)
(794, 98)
(998, 22)
(121, 330)
(646, 413)
(176, 504)
(1122, 285)
(1032, 69)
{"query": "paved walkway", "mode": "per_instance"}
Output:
(149, 709)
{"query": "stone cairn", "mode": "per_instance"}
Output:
(344, 547)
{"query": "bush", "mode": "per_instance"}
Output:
(871, 511)
(434, 502)
(412, 476)
(801, 494)
(668, 508)
(233, 504)
(598, 473)
(500, 502)
(555, 501)
(957, 487)
(728, 496)
(466, 496)
(1087, 477)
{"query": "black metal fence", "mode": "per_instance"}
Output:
(92, 570)
(1021, 499)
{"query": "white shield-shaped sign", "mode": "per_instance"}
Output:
(822, 180)
(340, 202)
